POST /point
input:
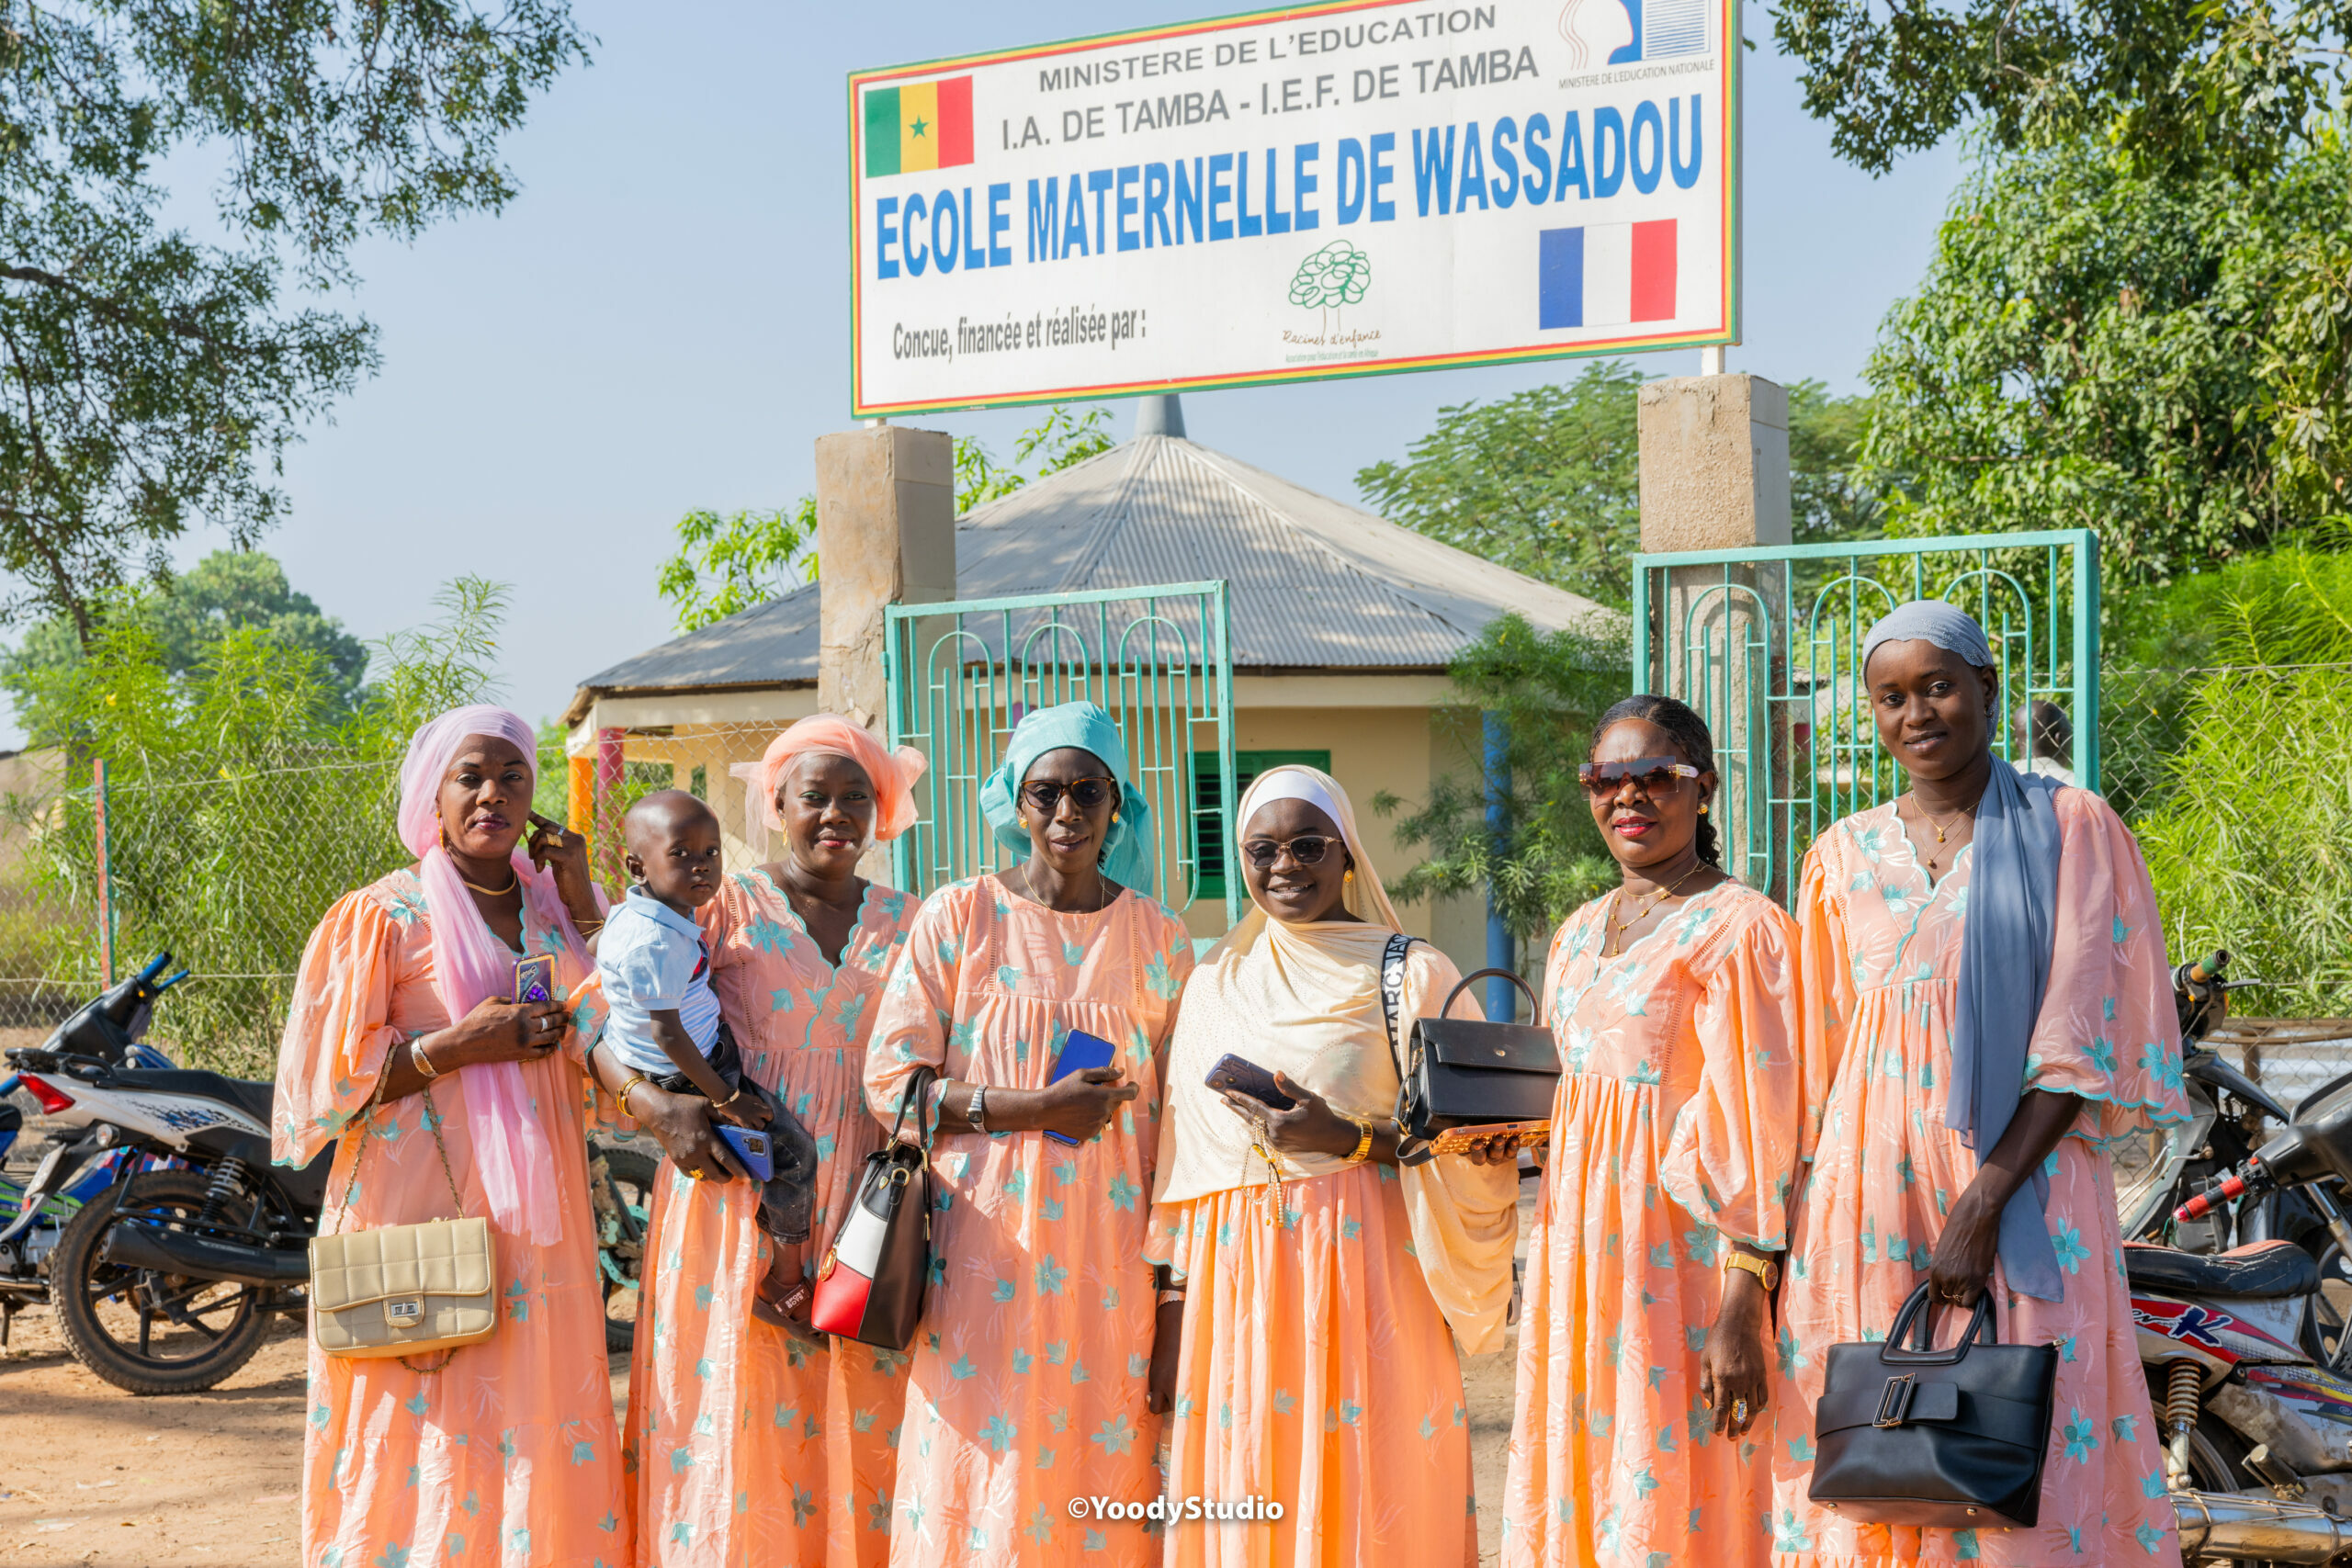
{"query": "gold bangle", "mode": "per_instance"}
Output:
(620, 1096)
(1363, 1139)
(423, 1063)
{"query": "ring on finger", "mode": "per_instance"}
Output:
(1739, 1412)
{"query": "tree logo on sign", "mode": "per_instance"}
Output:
(1337, 275)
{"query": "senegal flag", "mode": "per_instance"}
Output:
(918, 126)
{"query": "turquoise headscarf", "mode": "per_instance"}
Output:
(1127, 854)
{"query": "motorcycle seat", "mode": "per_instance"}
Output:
(2264, 1271)
(253, 1098)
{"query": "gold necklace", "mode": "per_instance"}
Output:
(1964, 811)
(514, 883)
(1616, 902)
(1102, 890)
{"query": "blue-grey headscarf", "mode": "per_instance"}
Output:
(2004, 953)
(1127, 857)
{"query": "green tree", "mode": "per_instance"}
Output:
(1547, 482)
(2101, 347)
(227, 591)
(1054, 443)
(1542, 857)
(154, 379)
(726, 565)
(2232, 84)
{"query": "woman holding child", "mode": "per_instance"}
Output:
(752, 1439)
(1027, 1388)
(442, 1096)
(1316, 1277)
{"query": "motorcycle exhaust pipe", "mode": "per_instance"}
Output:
(2229, 1524)
(136, 1243)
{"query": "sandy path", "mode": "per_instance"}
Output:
(90, 1475)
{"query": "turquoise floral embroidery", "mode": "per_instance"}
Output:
(1117, 1435)
(1159, 977)
(2161, 1063)
(2067, 1242)
(1791, 1358)
(2082, 1436)
(1051, 1276)
(1788, 1535)
(998, 1434)
(2150, 1539)
(1073, 954)
(2102, 1051)
(1009, 976)
(1690, 923)
(2126, 1428)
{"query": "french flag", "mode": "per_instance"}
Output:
(1606, 275)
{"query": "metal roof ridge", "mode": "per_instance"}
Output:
(1142, 451)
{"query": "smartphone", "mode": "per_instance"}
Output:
(1079, 1052)
(1247, 1078)
(750, 1145)
(534, 979)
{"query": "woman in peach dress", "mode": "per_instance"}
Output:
(400, 1048)
(2016, 1195)
(1317, 1277)
(1642, 1337)
(1027, 1388)
(750, 1441)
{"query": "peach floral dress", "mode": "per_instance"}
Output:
(1675, 1132)
(509, 1455)
(746, 1445)
(1880, 970)
(1028, 1382)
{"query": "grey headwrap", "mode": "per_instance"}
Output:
(2004, 953)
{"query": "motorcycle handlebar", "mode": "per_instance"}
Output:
(2252, 1177)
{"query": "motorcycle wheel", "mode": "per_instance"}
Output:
(142, 1331)
(2325, 1314)
(620, 1181)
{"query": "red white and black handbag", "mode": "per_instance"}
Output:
(870, 1286)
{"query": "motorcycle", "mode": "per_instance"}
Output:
(2253, 1403)
(165, 1278)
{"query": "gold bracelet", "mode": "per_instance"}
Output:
(621, 1096)
(423, 1063)
(1767, 1271)
(1363, 1140)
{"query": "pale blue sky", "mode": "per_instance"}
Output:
(660, 322)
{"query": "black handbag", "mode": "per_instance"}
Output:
(870, 1287)
(1951, 1439)
(1467, 1073)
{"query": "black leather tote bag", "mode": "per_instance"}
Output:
(1950, 1440)
(1461, 1074)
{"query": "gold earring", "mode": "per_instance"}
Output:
(1349, 876)
(1703, 808)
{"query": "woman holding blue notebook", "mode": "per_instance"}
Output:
(1027, 1388)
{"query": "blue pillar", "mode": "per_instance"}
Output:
(1502, 996)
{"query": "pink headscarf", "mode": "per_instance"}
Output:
(470, 964)
(894, 775)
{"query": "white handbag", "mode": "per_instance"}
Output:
(404, 1290)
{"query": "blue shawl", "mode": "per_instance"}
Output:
(1128, 857)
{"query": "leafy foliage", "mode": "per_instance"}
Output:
(155, 380)
(1547, 482)
(2147, 355)
(227, 591)
(1056, 441)
(1542, 857)
(246, 793)
(726, 565)
(2216, 82)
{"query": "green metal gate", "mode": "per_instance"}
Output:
(1159, 658)
(1765, 642)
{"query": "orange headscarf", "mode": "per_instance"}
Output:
(894, 775)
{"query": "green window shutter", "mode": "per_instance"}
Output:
(1208, 819)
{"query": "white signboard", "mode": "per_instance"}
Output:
(1347, 189)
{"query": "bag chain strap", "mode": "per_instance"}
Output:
(433, 1125)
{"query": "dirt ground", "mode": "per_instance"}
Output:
(90, 1475)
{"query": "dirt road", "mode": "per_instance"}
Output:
(90, 1475)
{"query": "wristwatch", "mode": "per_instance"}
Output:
(1767, 1271)
(975, 1112)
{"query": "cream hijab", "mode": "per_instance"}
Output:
(1304, 1001)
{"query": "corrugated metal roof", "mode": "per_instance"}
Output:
(1317, 584)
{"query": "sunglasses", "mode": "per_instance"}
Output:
(1651, 775)
(1044, 796)
(1308, 849)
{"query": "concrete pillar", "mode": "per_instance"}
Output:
(1714, 476)
(885, 534)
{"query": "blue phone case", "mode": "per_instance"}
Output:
(750, 1146)
(1079, 1052)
